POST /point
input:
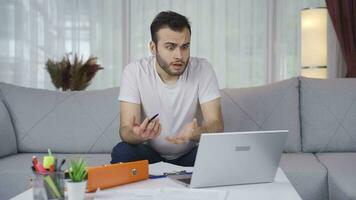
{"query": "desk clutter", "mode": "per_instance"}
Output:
(50, 176)
(48, 182)
(50, 179)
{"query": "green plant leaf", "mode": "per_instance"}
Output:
(77, 172)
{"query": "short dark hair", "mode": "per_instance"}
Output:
(173, 20)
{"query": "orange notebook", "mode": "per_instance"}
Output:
(116, 174)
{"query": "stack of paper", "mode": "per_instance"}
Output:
(162, 167)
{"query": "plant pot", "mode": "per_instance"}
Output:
(76, 190)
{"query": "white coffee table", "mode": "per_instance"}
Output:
(281, 188)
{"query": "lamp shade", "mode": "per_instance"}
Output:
(314, 42)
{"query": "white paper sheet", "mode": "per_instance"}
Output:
(139, 194)
(163, 167)
(192, 194)
(162, 194)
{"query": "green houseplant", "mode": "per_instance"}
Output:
(77, 170)
(72, 74)
(77, 174)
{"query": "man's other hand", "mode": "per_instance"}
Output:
(188, 132)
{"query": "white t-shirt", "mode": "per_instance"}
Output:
(176, 104)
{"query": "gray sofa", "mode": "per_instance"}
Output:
(319, 158)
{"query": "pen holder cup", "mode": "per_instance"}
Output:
(49, 185)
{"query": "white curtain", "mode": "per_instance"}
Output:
(248, 42)
(34, 30)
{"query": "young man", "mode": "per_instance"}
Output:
(171, 84)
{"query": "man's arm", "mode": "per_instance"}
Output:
(213, 120)
(131, 131)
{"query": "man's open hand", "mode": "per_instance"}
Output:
(188, 132)
(146, 130)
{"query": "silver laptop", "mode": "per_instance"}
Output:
(232, 158)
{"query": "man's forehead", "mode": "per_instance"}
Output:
(167, 35)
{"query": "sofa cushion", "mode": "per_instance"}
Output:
(328, 114)
(66, 122)
(307, 174)
(270, 107)
(8, 144)
(15, 170)
(341, 174)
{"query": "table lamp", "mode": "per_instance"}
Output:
(314, 42)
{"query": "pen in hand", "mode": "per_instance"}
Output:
(150, 128)
(152, 118)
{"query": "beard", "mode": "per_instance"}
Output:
(166, 66)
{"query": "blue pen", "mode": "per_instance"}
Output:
(156, 176)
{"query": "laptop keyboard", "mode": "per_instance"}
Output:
(185, 180)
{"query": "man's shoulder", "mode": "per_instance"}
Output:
(198, 60)
(199, 64)
(140, 65)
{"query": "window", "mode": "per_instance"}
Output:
(248, 43)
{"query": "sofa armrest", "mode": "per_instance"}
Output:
(8, 145)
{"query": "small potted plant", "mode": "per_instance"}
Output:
(77, 184)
